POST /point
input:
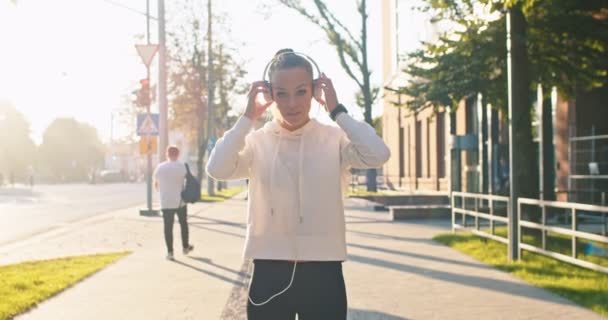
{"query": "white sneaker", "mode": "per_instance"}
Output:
(170, 256)
(188, 249)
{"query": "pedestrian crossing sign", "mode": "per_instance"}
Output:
(148, 145)
(147, 124)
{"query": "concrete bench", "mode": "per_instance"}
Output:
(419, 211)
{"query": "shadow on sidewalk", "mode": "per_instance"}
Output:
(365, 219)
(358, 314)
(218, 221)
(211, 273)
(211, 263)
(391, 237)
(420, 256)
(497, 285)
(198, 225)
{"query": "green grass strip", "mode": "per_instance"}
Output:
(24, 285)
(585, 287)
(361, 191)
(222, 195)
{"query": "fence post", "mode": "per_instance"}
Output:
(574, 227)
(453, 213)
(544, 222)
(518, 237)
(605, 224)
(464, 215)
(477, 212)
(492, 215)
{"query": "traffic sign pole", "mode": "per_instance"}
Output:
(148, 212)
(147, 52)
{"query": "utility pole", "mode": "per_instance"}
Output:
(210, 98)
(148, 156)
(162, 83)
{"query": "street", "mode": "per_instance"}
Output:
(26, 211)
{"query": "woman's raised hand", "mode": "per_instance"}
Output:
(255, 107)
(324, 84)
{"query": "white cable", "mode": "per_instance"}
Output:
(276, 294)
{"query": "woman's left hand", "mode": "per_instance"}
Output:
(325, 86)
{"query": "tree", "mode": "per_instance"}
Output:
(558, 43)
(566, 42)
(228, 76)
(351, 50)
(16, 146)
(71, 150)
(189, 82)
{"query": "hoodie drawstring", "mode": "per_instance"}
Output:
(300, 178)
(273, 165)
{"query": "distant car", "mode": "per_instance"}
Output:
(109, 176)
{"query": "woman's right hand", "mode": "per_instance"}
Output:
(255, 107)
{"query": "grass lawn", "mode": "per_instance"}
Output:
(222, 195)
(24, 285)
(585, 287)
(361, 191)
(559, 243)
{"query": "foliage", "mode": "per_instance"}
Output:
(560, 43)
(567, 45)
(189, 80)
(17, 148)
(71, 150)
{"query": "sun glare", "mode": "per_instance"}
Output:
(70, 58)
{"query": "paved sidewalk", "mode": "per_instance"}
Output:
(395, 271)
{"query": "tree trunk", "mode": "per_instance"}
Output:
(210, 88)
(372, 185)
(525, 155)
(548, 165)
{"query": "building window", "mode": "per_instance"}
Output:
(409, 150)
(401, 153)
(418, 149)
(441, 145)
(428, 147)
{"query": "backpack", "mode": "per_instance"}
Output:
(192, 188)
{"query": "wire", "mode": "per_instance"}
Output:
(293, 274)
(129, 8)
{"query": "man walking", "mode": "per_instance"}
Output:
(169, 180)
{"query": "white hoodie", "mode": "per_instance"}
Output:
(295, 209)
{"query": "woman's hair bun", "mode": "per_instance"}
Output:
(282, 51)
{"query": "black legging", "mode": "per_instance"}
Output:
(317, 293)
(168, 216)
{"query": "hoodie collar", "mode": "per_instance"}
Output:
(275, 128)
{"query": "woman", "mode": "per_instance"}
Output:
(296, 167)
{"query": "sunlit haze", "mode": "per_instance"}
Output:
(70, 58)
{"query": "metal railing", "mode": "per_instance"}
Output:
(459, 206)
(573, 230)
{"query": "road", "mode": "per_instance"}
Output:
(25, 212)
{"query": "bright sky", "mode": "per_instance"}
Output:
(76, 58)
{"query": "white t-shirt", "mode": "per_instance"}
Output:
(170, 176)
